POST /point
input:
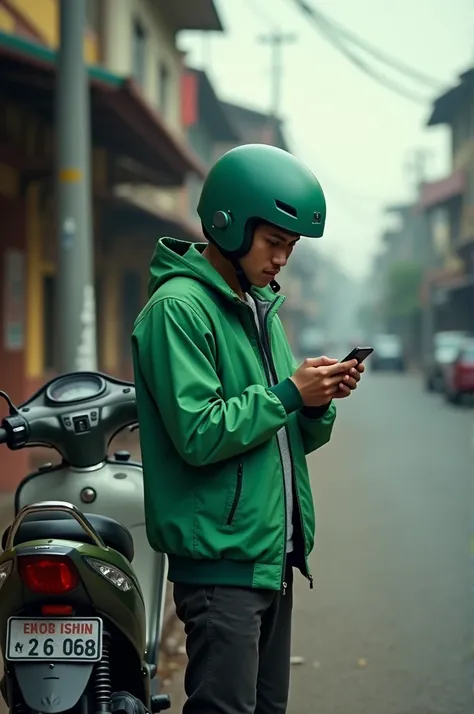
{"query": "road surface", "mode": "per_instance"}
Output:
(388, 628)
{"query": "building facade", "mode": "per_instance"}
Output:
(137, 140)
(449, 207)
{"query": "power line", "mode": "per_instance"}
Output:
(334, 38)
(381, 79)
(417, 166)
(376, 52)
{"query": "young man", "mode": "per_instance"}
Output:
(226, 420)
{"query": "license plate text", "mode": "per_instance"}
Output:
(44, 639)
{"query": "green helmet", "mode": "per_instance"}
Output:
(259, 182)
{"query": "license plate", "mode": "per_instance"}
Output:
(47, 639)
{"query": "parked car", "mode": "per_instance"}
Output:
(459, 374)
(446, 346)
(388, 353)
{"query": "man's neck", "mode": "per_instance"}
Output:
(224, 268)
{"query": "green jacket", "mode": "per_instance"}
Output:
(214, 487)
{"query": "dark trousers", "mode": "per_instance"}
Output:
(238, 646)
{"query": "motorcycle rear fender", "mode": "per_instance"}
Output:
(52, 688)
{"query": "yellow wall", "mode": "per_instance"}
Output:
(20, 129)
(113, 265)
(10, 187)
(41, 264)
(41, 257)
(34, 340)
(109, 330)
(110, 266)
(40, 243)
(91, 49)
(43, 16)
(7, 23)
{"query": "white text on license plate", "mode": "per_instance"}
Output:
(44, 639)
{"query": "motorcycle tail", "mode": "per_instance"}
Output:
(49, 688)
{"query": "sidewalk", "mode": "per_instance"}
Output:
(176, 689)
(172, 661)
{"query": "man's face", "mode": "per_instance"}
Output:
(270, 251)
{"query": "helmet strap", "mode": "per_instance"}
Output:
(244, 282)
(242, 278)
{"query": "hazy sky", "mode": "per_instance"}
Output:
(355, 135)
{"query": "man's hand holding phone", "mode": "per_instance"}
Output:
(321, 379)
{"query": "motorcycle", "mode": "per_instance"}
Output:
(76, 619)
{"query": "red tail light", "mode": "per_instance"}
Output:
(48, 575)
(56, 610)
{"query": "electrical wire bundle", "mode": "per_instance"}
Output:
(345, 41)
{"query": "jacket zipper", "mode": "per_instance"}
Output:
(267, 360)
(268, 353)
(238, 491)
(298, 503)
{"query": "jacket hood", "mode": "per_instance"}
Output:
(173, 258)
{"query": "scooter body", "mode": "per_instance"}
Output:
(78, 415)
(72, 616)
(113, 488)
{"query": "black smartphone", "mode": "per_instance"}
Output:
(358, 353)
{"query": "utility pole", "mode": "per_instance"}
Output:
(417, 167)
(76, 343)
(276, 40)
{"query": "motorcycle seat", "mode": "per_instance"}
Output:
(56, 525)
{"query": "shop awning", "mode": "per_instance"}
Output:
(196, 15)
(149, 221)
(121, 119)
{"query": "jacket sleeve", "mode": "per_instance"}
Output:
(316, 427)
(177, 358)
(315, 423)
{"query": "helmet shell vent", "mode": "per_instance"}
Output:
(286, 208)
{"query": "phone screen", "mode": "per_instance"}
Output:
(358, 353)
